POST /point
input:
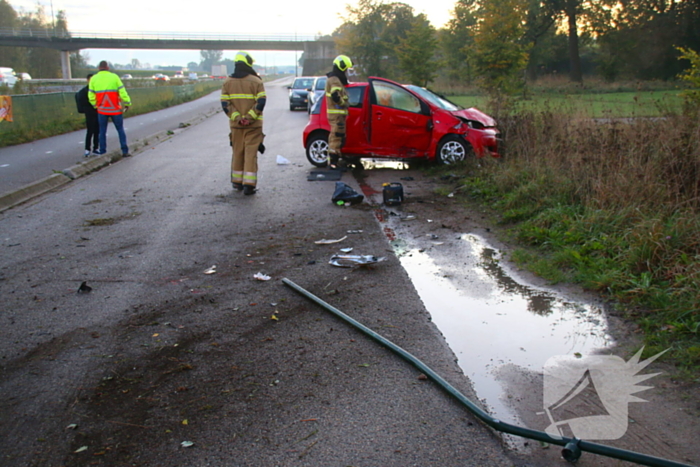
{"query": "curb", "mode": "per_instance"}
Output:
(34, 189)
(85, 168)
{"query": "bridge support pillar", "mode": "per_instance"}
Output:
(318, 57)
(65, 64)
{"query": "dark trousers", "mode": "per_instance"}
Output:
(92, 136)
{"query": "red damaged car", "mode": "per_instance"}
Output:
(387, 120)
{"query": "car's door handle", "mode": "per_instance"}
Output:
(379, 115)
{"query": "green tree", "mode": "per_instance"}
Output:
(691, 75)
(9, 19)
(499, 56)
(383, 40)
(42, 62)
(209, 58)
(457, 40)
(416, 52)
(362, 37)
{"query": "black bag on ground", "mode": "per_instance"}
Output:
(346, 194)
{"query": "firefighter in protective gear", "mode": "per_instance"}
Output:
(243, 100)
(337, 107)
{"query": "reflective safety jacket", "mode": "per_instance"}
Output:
(339, 105)
(244, 99)
(107, 94)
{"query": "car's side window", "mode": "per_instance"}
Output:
(392, 96)
(355, 96)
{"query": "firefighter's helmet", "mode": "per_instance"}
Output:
(343, 62)
(245, 58)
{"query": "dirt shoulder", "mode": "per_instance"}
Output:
(664, 426)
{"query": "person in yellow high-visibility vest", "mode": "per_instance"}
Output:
(243, 99)
(337, 107)
(107, 94)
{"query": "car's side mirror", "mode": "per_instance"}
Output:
(289, 87)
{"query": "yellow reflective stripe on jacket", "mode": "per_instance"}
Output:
(254, 114)
(261, 94)
(337, 111)
(241, 96)
(250, 176)
(235, 114)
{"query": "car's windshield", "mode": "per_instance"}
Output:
(302, 83)
(434, 98)
(320, 84)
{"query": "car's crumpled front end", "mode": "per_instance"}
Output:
(480, 130)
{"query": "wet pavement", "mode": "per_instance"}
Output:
(492, 319)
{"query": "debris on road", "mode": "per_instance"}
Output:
(261, 277)
(349, 261)
(281, 160)
(84, 288)
(323, 241)
(211, 270)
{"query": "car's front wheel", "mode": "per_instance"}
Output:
(453, 149)
(317, 150)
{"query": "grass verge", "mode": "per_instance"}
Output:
(612, 207)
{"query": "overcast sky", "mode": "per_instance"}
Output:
(308, 17)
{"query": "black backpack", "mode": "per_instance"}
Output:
(81, 100)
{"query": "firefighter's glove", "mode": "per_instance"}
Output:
(261, 148)
(336, 97)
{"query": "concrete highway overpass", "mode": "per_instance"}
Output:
(317, 53)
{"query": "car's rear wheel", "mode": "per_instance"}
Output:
(317, 150)
(453, 149)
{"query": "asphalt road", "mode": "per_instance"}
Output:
(27, 163)
(159, 353)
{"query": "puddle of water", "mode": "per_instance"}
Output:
(491, 320)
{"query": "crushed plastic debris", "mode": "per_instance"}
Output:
(84, 288)
(187, 444)
(346, 250)
(409, 217)
(349, 261)
(281, 160)
(354, 231)
(323, 241)
(261, 277)
(211, 270)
